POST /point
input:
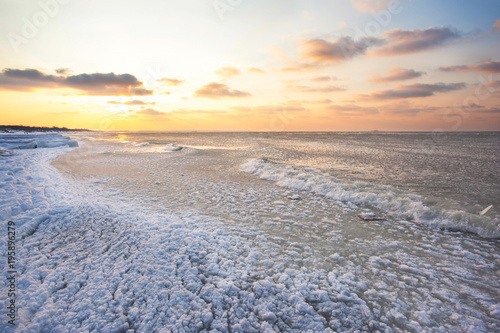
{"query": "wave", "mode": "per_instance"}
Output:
(33, 141)
(388, 199)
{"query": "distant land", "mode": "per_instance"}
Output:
(9, 128)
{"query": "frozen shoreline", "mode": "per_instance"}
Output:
(94, 258)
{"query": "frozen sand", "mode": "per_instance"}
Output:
(188, 242)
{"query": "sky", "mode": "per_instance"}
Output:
(251, 65)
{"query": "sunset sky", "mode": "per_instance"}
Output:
(257, 65)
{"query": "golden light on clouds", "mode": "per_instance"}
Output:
(353, 65)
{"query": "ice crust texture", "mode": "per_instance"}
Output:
(92, 259)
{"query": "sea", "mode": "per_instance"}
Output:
(444, 180)
(264, 232)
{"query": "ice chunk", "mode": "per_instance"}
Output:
(172, 147)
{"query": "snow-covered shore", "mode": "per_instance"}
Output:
(91, 258)
(88, 263)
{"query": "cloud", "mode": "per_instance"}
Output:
(325, 89)
(63, 71)
(403, 107)
(150, 112)
(218, 90)
(323, 78)
(496, 26)
(415, 90)
(341, 49)
(267, 109)
(296, 66)
(170, 82)
(227, 71)
(241, 108)
(478, 108)
(277, 108)
(487, 66)
(396, 74)
(256, 70)
(317, 101)
(493, 88)
(134, 102)
(401, 42)
(95, 84)
(370, 6)
(352, 110)
(494, 85)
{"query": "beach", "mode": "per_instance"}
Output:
(254, 232)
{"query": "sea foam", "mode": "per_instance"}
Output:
(389, 199)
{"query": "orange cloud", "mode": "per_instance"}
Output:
(171, 82)
(352, 110)
(496, 26)
(227, 71)
(256, 70)
(487, 66)
(134, 102)
(218, 90)
(325, 89)
(150, 112)
(324, 78)
(396, 74)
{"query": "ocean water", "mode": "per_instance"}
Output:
(442, 180)
(256, 232)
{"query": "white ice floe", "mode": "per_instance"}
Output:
(172, 147)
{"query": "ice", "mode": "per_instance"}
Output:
(32, 141)
(99, 254)
(172, 147)
(384, 197)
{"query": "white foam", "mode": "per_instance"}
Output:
(172, 147)
(387, 198)
(32, 141)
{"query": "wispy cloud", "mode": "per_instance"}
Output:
(134, 102)
(396, 74)
(150, 112)
(95, 84)
(487, 66)
(316, 101)
(219, 90)
(400, 42)
(496, 26)
(170, 82)
(370, 5)
(404, 107)
(414, 90)
(255, 70)
(308, 89)
(226, 72)
(352, 110)
(269, 109)
(297, 66)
